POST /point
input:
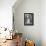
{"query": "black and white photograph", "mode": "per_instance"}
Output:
(28, 18)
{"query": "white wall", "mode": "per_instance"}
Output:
(43, 22)
(6, 13)
(30, 32)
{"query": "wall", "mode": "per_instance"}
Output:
(6, 13)
(43, 22)
(29, 32)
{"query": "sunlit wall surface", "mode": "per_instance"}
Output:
(6, 13)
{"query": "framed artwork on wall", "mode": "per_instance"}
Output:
(28, 18)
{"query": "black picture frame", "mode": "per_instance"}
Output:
(28, 18)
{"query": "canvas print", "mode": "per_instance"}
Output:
(28, 18)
